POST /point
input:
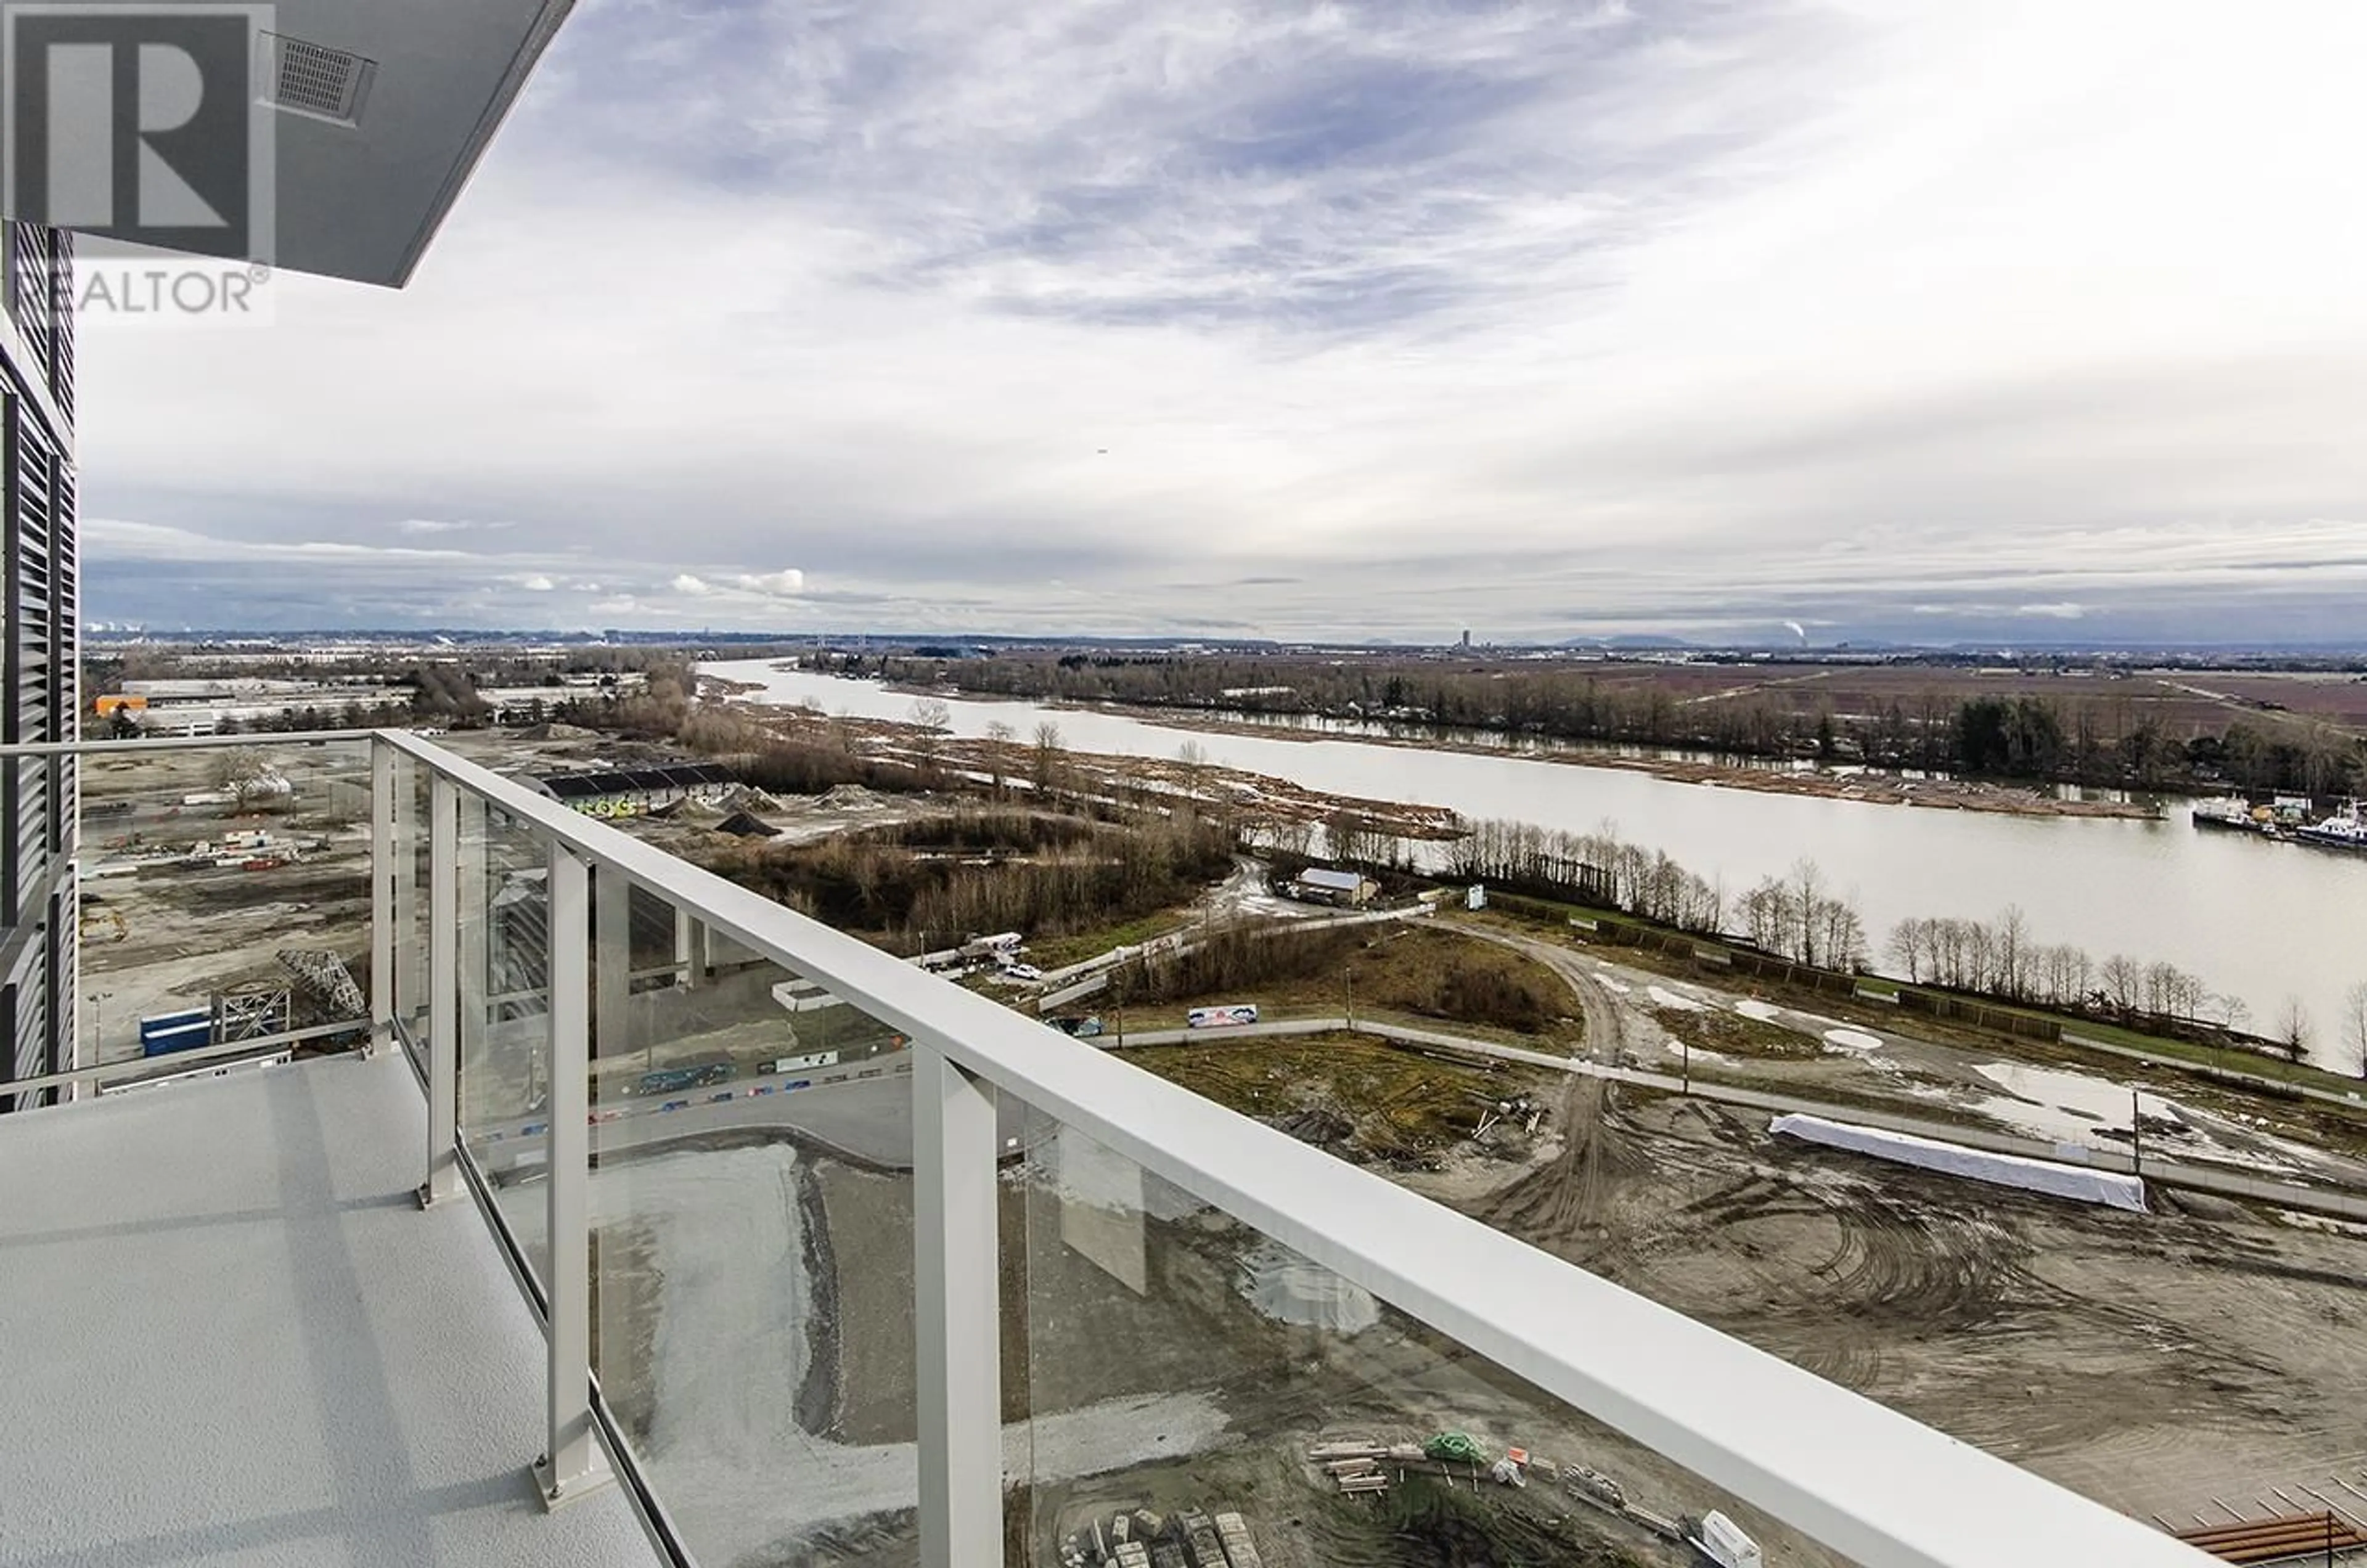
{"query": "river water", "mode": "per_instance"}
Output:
(2260, 920)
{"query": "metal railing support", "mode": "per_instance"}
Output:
(443, 990)
(692, 951)
(383, 873)
(574, 1462)
(957, 1315)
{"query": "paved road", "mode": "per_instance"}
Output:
(864, 1110)
(2169, 1173)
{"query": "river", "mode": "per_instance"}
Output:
(2259, 921)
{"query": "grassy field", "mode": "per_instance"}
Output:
(2212, 1058)
(1731, 1034)
(1054, 952)
(1414, 972)
(1376, 1101)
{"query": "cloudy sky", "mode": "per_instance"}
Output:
(1914, 319)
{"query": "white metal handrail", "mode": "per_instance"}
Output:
(1855, 1476)
(1864, 1480)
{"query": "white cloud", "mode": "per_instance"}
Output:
(685, 583)
(439, 525)
(535, 583)
(1819, 311)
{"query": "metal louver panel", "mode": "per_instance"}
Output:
(34, 675)
(62, 327)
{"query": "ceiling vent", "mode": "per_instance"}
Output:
(313, 79)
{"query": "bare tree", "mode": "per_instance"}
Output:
(1807, 889)
(1048, 756)
(999, 737)
(250, 779)
(2354, 1024)
(2012, 980)
(2123, 980)
(2293, 1029)
(1906, 949)
(932, 718)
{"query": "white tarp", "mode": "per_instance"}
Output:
(2005, 1170)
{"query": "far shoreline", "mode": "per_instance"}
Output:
(1872, 787)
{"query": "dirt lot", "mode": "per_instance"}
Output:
(1411, 970)
(191, 890)
(1361, 1099)
(2153, 1362)
(2150, 1362)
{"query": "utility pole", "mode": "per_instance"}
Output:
(2136, 1138)
(1687, 1046)
(1349, 976)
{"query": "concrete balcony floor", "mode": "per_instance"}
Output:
(229, 1335)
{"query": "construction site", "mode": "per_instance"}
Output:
(225, 897)
(2191, 1363)
(1185, 1392)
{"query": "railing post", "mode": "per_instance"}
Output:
(443, 990)
(574, 1464)
(383, 873)
(691, 949)
(957, 1315)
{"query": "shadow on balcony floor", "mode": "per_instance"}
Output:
(227, 1333)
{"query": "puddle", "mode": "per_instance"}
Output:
(2065, 1106)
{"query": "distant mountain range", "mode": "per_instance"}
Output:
(953, 645)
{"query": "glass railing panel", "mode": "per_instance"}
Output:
(1186, 1390)
(413, 859)
(751, 1243)
(503, 1007)
(224, 895)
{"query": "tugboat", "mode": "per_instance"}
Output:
(2346, 829)
(2234, 814)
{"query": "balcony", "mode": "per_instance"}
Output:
(603, 1190)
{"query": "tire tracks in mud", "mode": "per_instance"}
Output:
(1882, 1280)
(1606, 1025)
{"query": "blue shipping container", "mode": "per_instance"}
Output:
(169, 1032)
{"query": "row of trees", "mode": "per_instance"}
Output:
(1795, 916)
(1798, 916)
(931, 882)
(2099, 738)
(1599, 868)
(1999, 958)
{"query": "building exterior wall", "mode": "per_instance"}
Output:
(40, 685)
